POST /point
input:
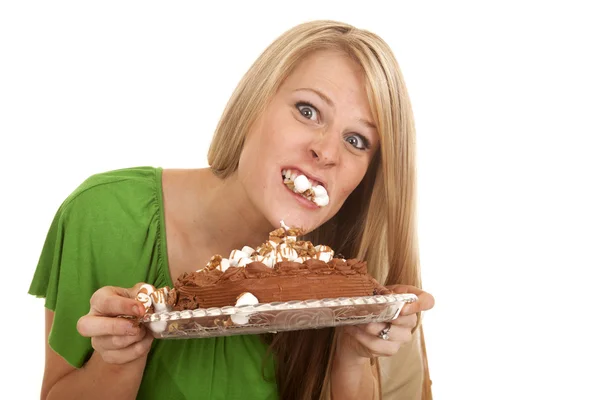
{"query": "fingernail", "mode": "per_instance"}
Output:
(136, 310)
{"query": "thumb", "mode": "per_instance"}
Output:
(425, 301)
(133, 292)
(114, 301)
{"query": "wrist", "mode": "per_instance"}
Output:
(115, 369)
(352, 378)
(349, 353)
(348, 360)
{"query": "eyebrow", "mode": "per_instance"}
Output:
(322, 95)
(329, 102)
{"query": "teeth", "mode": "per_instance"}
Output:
(309, 188)
(313, 183)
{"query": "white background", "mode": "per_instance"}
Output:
(506, 100)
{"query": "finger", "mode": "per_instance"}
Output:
(425, 301)
(376, 346)
(402, 289)
(90, 325)
(397, 331)
(113, 301)
(373, 328)
(129, 353)
(400, 334)
(103, 343)
(407, 321)
(125, 292)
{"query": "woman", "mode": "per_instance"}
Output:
(325, 100)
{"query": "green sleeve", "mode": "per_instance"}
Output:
(107, 232)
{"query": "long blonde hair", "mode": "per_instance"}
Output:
(378, 221)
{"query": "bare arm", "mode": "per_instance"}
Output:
(352, 376)
(354, 381)
(96, 379)
(115, 369)
(402, 374)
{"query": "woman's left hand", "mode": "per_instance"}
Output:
(365, 341)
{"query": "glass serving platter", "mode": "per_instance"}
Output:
(275, 317)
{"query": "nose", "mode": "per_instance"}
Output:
(325, 150)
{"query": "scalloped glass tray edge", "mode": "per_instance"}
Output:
(275, 317)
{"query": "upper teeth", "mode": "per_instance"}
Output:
(302, 184)
(291, 175)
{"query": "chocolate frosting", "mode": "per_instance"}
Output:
(286, 281)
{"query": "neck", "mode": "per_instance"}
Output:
(226, 218)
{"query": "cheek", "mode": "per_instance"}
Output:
(349, 180)
(251, 167)
(346, 189)
(286, 131)
(345, 193)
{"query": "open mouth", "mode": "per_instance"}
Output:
(308, 188)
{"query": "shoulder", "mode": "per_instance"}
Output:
(120, 181)
(133, 191)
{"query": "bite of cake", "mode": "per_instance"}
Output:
(306, 187)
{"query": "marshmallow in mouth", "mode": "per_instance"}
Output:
(307, 188)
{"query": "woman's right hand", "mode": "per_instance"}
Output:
(116, 339)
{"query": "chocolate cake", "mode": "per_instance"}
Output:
(280, 270)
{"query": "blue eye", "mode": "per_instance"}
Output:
(307, 110)
(358, 141)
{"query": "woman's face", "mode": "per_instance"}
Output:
(318, 125)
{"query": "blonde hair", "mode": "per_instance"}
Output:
(378, 221)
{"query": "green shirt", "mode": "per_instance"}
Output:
(111, 232)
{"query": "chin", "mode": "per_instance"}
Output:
(294, 218)
(282, 206)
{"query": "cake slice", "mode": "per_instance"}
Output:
(280, 270)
